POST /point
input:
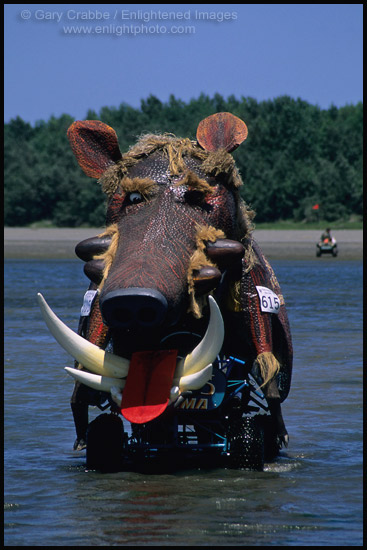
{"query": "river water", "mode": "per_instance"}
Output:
(310, 496)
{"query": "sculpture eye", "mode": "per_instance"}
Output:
(194, 197)
(135, 197)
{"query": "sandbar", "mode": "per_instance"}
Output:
(59, 243)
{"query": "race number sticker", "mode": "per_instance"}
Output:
(87, 304)
(269, 301)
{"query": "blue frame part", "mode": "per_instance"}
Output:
(199, 417)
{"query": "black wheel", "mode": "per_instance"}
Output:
(246, 444)
(105, 438)
(272, 443)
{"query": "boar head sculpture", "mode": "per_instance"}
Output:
(177, 262)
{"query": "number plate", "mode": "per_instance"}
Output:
(87, 304)
(269, 301)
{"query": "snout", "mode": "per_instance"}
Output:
(133, 308)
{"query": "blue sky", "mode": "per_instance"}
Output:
(68, 58)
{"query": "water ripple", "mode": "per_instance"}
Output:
(311, 495)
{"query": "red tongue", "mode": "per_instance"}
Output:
(148, 385)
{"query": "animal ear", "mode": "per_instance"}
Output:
(221, 131)
(94, 145)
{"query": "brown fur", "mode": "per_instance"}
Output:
(199, 260)
(245, 218)
(110, 253)
(233, 297)
(176, 149)
(193, 181)
(269, 366)
(221, 163)
(207, 233)
(111, 178)
(145, 186)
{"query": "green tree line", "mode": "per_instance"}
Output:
(296, 156)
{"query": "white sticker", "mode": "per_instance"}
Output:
(269, 301)
(87, 304)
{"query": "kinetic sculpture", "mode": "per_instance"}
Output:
(184, 330)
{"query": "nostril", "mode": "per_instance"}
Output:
(147, 315)
(122, 316)
(133, 307)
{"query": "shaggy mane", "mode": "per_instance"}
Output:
(218, 163)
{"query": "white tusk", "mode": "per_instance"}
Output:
(89, 355)
(100, 383)
(197, 380)
(209, 347)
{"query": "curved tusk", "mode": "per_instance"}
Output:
(197, 380)
(100, 383)
(209, 347)
(89, 355)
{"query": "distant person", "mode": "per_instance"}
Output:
(327, 244)
(326, 236)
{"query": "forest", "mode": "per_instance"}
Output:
(299, 161)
